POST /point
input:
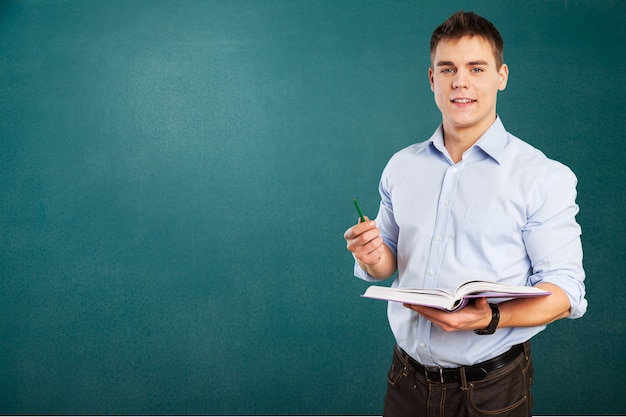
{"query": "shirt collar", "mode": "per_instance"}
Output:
(492, 142)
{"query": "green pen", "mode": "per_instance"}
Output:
(359, 210)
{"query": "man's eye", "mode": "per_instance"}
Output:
(447, 71)
(477, 70)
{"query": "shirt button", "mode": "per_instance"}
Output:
(439, 238)
(431, 273)
(422, 345)
(454, 169)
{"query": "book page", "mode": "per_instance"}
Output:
(436, 299)
(497, 289)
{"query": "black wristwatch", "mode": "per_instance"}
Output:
(495, 318)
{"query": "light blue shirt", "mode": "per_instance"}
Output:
(504, 213)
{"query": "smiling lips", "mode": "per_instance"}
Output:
(463, 100)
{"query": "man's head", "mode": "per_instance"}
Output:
(466, 74)
(463, 24)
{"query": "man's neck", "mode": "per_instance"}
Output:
(459, 140)
(457, 145)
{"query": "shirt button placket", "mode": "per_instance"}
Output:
(443, 217)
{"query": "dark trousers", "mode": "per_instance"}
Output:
(504, 392)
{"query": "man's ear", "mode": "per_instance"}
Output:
(431, 79)
(503, 73)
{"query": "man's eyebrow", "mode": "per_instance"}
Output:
(478, 62)
(471, 63)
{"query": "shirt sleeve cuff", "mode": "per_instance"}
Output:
(574, 290)
(361, 273)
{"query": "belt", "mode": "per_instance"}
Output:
(472, 373)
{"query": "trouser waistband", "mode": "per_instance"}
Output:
(475, 372)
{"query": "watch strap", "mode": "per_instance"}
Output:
(495, 319)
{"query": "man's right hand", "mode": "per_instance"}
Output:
(366, 243)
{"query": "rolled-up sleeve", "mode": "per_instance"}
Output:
(552, 239)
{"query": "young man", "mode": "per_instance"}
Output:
(471, 202)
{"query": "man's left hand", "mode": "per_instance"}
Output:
(476, 315)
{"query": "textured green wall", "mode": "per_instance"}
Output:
(176, 177)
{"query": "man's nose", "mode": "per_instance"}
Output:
(459, 82)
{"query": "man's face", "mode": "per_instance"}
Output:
(465, 82)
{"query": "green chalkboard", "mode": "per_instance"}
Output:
(176, 178)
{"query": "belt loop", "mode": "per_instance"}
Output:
(404, 358)
(463, 378)
(526, 345)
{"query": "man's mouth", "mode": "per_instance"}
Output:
(463, 100)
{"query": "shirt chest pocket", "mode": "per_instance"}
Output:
(488, 240)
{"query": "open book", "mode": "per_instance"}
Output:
(445, 300)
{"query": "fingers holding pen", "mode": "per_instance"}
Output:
(361, 233)
(365, 242)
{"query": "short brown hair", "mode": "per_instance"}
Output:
(463, 24)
